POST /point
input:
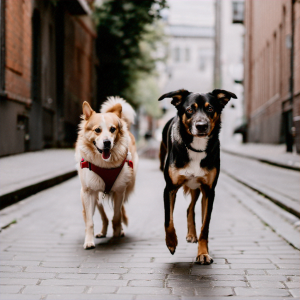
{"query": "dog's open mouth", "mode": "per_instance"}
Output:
(106, 153)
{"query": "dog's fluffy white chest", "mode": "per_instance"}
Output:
(193, 171)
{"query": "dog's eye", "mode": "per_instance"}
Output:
(210, 109)
(98, 130)
(112, 129)
(189, 111)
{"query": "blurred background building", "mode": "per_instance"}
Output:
(272, 72)
(49, 65)
(47, 70)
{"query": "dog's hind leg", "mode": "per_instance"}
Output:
(124, 216)
(162, 155)
(104, 218)
(207, 205)
(192, 234)
(118, 204)
(88, 199)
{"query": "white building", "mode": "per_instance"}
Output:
(190, 31)
(231, 60)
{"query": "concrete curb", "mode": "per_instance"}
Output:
(263, 160)
(20, 194)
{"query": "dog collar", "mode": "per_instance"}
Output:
(109, 176)
(193, 149)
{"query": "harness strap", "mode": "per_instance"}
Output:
(109, 176)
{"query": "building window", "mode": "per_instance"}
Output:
(187, 54)
(176, 54)
(238, 12)
(203, 58)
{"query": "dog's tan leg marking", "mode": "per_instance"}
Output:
(192, 234)
(171, 237)
(118, 203)
(89, 199)
(207, 203)
(124, 216)
(104, 218)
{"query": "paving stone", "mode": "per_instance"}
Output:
(19, 297)
(18, 281)
(284, 272)
(228, 283)
(10, 289)
(188, 283)
(248, 261)
(183, 291)
(50, 270)
(10, 269)
(27, 275)
(217, 272)
(50, 264)
(143, 276)
(293, 285)
(144, 290)
(164, 297)
(266, 278)
(295, 292)
(152, 282)
(81, 276)
(216, 291)
(90, 297)
(103, 271)
(253, 266)
(255, 272)
(44, 290)
(267, 284)
(240, 291)
(288, 266)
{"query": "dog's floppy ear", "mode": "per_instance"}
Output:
(176, 95)
(116, 109)
(87, 110)
(223, 96)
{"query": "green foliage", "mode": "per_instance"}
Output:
(128, 32)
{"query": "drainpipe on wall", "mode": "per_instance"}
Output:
(289, 130)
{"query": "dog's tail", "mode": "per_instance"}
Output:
(128, 114)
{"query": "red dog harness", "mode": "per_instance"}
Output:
(109, 176)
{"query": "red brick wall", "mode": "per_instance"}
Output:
(267, 66)
(18, 49)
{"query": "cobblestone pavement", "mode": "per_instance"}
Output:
(42, 255)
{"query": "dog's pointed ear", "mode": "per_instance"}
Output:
(87, 110)
(116, 109)
(176, 95)
(223, 96)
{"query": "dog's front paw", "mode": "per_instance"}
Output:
(191, 238)
(171, 242)
(204, 259)
(89, 245)
(100, 235)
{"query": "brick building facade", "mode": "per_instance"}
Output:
(272, 80)
(47, 70)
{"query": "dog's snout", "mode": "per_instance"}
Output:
(106, 143)
(202, 126)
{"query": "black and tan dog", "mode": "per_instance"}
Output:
(190, 157)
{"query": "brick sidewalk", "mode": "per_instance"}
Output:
(42, 255)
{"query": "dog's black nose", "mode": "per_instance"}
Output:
(202, 126)
(106, 144)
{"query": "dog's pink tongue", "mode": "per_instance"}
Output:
(106, 154)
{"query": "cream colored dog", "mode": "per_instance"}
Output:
(106, 146)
